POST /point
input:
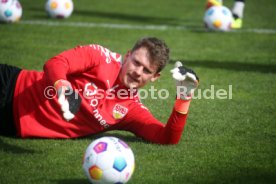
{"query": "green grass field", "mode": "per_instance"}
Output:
(225, 140)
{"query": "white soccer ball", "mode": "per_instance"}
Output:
(108, 160)
(10, 11)
(59, 8)
(218, 18)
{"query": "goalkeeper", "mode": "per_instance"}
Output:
(88, 90)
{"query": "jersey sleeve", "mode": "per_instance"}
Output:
(143, 124)
(76, 60)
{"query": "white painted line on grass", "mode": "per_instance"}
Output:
(130, 26)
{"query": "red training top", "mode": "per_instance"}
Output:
(93, 72)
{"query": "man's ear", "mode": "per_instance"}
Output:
(155, 77)
(127, 55)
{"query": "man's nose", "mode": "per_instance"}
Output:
(139, 70)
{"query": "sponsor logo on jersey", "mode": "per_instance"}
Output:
(100, 118)
(90, 89)
(119, 111)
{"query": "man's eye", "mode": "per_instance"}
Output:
(135, 62)
(147, 71)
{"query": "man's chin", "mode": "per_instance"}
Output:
(132, 86)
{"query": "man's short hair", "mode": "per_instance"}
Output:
(158, 51)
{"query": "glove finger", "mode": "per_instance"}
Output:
(65, 106)
(174, 70)
(177, 75)
(177, 64)
(68, 115)
(191, 76)
(61, 99)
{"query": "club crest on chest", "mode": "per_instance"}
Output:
(119, 111)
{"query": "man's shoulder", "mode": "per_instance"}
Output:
(108, 55)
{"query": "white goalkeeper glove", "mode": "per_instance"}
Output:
(186, 81)
(68, 99)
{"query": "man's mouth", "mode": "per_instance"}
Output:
(133, 78)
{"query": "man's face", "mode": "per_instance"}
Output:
(137, 70)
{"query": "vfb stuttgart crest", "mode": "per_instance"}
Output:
(119, 111)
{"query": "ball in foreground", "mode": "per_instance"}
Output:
(108, 160)
(218, 18)
(10, 11)
(59, 8)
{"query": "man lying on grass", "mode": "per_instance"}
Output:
(88, 90)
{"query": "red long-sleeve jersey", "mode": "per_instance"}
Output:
(93, 72)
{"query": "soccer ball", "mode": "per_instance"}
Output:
(218, 18)
(108, 160)
(59, 8)
(10, 11)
